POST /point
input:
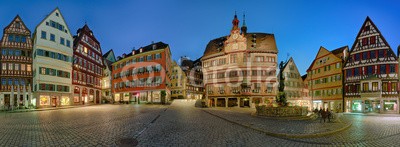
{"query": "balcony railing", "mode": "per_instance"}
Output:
(257, 90)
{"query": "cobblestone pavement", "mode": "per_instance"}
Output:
(99, 125)
(279, 126)
(180, 125)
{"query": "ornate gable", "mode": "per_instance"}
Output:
(370, 47)
(17, 35)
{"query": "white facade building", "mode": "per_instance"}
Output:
(52, 62)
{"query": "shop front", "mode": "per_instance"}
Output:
(373, 106)
(53, 100)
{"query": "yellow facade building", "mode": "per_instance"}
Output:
(325, 79)
(178, 82)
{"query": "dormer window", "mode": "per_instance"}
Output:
(141, 50)
(133, 52)
(17, 24)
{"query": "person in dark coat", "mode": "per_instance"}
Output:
(323, 115)
(328, 114)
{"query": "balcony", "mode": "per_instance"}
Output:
(235, 91)
(257, 90)
(246, 90)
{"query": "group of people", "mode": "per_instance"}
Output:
(324, 114)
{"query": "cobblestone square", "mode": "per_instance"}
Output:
(178, 124)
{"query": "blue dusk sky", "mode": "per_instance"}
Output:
(300, 27)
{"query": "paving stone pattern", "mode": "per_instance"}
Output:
(181, 124)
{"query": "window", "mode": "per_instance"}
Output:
(68, 43)
(373, 55)
(393, 86)
(220, 75)
(356, 72)
(392, 68)
(365, 41)
(4, 66)
(233, 58)
(11, 38)
(384, 86)
(52, 37)
(11, 52)
(158, 56)
(257, 85)
(149, 57)
(374, 86)
(365, 87)
(372, 39)
(10, 81)
(259, 59)
(16, 81)
(4, 52)
(28, 67)
(16, 66)
(382, 69)
(365, 56)
(381, 53)
(17, 38)
(23, 39)
(337, 65)
(40, 52)
(3, 81)
(62, 41)
(369, 70)
(10, 66)
(17, 52)
(357, 57)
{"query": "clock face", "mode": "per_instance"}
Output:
(235, 36)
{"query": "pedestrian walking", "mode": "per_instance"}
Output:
(329, 114)
(323, 115)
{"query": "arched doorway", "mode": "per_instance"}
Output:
(91, 96)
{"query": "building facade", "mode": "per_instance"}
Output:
(325, 79)
(371, 83)
(108, 60)
(52, 62)
(87, 69)
(240, 69)
(305, 92)
(142, 76)
(178, 82)
(294, 85)
(194, 78)
(16, 65)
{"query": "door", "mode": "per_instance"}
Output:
(246, 102)
(54, 102)
(7, 100)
